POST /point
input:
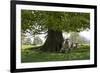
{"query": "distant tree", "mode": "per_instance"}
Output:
(76, 38)
(23, 36)
(53, 23)
(27, 41)
(37, 41)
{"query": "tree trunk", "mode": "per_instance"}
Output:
(53, 42)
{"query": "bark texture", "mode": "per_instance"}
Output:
(53, 42)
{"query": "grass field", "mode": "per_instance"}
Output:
(31, 54)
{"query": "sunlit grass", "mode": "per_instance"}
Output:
(29, 46)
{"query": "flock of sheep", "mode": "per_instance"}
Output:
(68, 45)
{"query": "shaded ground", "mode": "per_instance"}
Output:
(32, 54)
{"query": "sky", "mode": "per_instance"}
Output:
(85, 34)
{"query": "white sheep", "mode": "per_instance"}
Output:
(66, 45)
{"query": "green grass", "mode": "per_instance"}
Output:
(33, 55)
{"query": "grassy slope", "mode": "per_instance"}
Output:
(32, 55)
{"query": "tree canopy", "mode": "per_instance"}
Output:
(41, 21)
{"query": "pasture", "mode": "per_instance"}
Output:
(31, 53)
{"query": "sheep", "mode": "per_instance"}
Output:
(66, 46)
